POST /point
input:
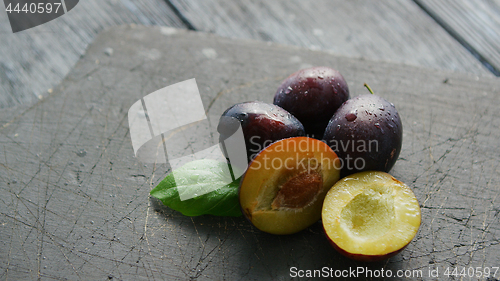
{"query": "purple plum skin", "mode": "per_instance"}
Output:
(313, 95)
(262, 124)
(365, 127)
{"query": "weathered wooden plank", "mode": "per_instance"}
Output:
(387, 30)
(36, 60)
(475, 23)
(33, 61)
(74, 201)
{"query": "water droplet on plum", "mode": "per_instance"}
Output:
(351, 117)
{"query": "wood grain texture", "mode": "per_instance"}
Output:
(475, 23)
(36, 60)
(387, 30)
(75, 204)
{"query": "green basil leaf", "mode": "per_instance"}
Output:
(193, 177)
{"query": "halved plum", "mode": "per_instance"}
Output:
(370, 216)
(284, 186)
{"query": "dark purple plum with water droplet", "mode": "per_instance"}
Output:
(261, 123)
(313, 95)
(366, 133)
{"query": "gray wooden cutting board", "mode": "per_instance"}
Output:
(74, 201)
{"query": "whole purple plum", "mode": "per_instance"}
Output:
(313, 95)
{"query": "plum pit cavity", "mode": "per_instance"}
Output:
(299, 191)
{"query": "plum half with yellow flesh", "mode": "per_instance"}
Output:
(370, 216)
(284, 186)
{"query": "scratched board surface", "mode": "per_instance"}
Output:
(74, 201)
